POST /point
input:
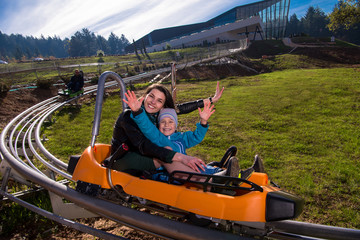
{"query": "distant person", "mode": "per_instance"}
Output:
(76, 82)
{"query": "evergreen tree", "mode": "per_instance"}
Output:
(3, 46)
(18, 54)
(89, 41)
(76, 46)
(102, 44)
(36, 52)
(28, 53)
(293, 26)
(123, 43)
(117, 45)
(113, 41)
(314, 22)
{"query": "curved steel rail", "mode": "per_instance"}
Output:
(27, 126)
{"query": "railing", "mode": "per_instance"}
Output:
(29, 73)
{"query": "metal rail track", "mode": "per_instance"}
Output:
(24, 131)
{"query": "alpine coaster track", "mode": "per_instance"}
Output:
(23, 134)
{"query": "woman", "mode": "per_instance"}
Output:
(143, 154)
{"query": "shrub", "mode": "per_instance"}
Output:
(100, 53)
(4, 88)
(44, 83)
(66, 78)
(131, 73)
(94, 80)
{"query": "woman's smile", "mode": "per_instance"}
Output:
(154, 101)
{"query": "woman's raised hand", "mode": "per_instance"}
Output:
(206, 113)
(217, 96)
(132, 101)
(218, 93)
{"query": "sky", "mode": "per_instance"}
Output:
(133, 18)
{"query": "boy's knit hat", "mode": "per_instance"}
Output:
(168, 112)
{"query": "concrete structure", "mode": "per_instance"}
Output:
(260, 20)
(250, 27)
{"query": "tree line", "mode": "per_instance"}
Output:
(85, 43)
(343, 22)
(82, 43)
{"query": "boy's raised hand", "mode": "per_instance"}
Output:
(206, 113)
(132, 101)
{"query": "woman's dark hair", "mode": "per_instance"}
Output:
(169, 102)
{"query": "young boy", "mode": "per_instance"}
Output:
(166, 135)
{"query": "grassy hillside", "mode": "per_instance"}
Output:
(303, 123)
(301, 115)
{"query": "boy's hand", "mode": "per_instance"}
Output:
(206, 113)
(132, 101)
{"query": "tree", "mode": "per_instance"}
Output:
(113, 41)
(3, 45)
(116, 44)
(18, 54)
(89, 41)
(314, 22)
(123, 43)
(75, 45)
(82, 44)
(28, 53)
(345, 14)
(102, 44)
(293, 26)
(36, 52)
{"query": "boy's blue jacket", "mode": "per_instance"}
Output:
(178, 141)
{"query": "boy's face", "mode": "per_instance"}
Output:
(167, 126)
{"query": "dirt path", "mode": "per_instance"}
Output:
(18, 101)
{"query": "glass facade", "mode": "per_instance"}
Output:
(274, 14)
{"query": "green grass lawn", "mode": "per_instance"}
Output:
(303, 123)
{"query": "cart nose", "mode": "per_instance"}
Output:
(281, 205)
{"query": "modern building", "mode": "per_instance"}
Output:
(256, 21)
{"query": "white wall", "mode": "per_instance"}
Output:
(228, 32)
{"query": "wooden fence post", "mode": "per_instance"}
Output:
(37, 78)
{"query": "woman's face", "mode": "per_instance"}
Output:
(154, 101)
